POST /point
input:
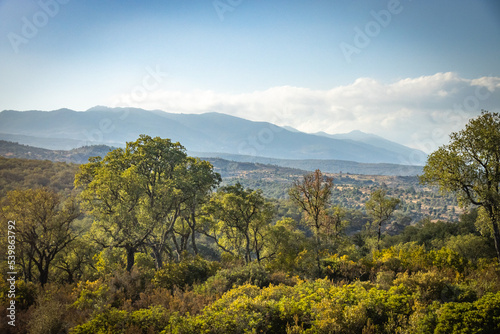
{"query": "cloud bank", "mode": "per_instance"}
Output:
(417, 112)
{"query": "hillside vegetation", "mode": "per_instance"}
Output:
(155, 241)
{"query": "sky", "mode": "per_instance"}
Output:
(410, 71)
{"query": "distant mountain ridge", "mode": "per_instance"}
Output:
(220, 161)
(208, 132)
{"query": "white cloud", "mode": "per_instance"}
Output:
(418, 112)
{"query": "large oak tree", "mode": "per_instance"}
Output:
(131, 193)
(469, 166)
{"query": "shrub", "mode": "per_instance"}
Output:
(481, 316)
(240, 310)
(47, 318)
(114, 321)
(185, 273)
(427, 286)
(341, 268)
(225, 279)
(91, 296)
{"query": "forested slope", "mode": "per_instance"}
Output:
(154, 241)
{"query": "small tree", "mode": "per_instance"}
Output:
(197, 183)
(469, 166)
(238, 221)
(313, 195)
(380, 208)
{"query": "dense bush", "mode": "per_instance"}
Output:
(481, 316)
(225, 279)
(114, 321)
(185, 273)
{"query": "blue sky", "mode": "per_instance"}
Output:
(289, 62)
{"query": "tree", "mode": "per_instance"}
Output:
(238, 221)
(43, 228)
(313, 195)
(380, 208)
(469, 167)
(198, 181)
(288, 248)
(133, 194)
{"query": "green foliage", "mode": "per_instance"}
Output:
(471, 247)
(341, 268)
(470, 167)
(150, 203)
(238, 221)
(108, 262)
(380, 208)
(187, 272)
(253, 273)
(140, 194)
(481, 316)
(91, 295)
(426, 233)
(291, 251)
(316, 307)
(238, 311)
(42, 229)
(26, 292)
(114, 321)
(402, 257)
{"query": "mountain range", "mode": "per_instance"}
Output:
(209, 134)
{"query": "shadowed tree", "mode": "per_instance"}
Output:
(43, 228)
(469, 166)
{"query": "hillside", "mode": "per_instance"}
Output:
(31, 174)
(78, 155)
(209, 132)
(352, 190)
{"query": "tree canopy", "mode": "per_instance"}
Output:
(380, 208)
(43, 228)
(469, 166)
(137, 194)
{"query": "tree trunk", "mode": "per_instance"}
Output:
(193, 235)
(44, 273)
(378, 240)
(318, 250)
(157, 256)
(248, 255)
(496, 236)
(496, 233)
(130, 258)
(71, 278)
(257, 250)
(176, 244)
